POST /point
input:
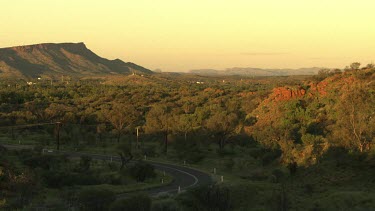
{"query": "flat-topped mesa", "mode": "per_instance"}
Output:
(46, 46)
(53, 59)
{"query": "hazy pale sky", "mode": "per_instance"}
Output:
(179, 35)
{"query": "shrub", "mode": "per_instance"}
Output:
(258, 175)
(309, 189)
(38, 149)
(347, 200)
(61, 178)
(110, 178)
(292, 168)
(225, 152)
(140, 171)
(165, 205)
(56, 179)
(188, 150)
(278, 175)
(149, 151)
(95, 199)
(46, 162)
(139, 202)
(256, 152)
(214, 197)
(84, 163)
(112, 166)
(269, 157)
(191, 155)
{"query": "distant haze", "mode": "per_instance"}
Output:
(183, 35)
(256, 71)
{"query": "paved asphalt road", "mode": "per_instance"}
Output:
(184, 177)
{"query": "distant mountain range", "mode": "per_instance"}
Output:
(248, 71)
(55, 60)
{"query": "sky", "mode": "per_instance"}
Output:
(180, 35)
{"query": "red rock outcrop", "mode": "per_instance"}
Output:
(285, 93)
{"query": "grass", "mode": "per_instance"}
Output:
(19, 141)
(51, 197)
(132, 186)
(207, 165)
(333, 184)
(171, 158)
(140, 186)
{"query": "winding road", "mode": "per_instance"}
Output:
(183, 177)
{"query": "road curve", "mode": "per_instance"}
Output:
(183, 177)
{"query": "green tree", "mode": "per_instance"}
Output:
(356, 117)
(323, 74)
(355, 65)
(60, 113)
(186, 123)
(121, 116)
(125, 153)
(222, 125)
(37, 108)
(370, 66)
(159, 121)
(100, 129)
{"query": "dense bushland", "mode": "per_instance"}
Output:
(284, 142)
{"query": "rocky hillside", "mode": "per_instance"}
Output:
(303, 121)
(71, 59)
